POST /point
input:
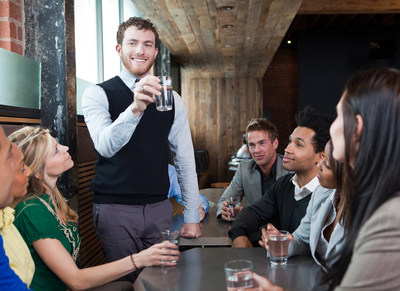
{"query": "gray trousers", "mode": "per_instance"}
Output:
(129, 229)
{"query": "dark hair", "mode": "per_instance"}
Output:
(264, 125)
(140, 24)
(340, 174)
(340, 171)
(375, 96)
(319, 123)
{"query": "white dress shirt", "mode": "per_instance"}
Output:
(300, 193)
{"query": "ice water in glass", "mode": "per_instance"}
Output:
(232, 203)
(238, 275)
(171, 236)
(164, 101)
(278, 244)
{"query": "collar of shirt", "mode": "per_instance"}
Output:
(128, 79)
(332, 199)
(6, 219)
(300, 193)
(332, 195)
(272, 171)
(267, 180)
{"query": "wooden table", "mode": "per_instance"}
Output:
(214, 232)
(203, 269)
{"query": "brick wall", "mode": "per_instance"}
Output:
(280, 90)
(12, 25)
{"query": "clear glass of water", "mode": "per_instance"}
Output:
(238, 275)
(170, 236)
(165, 100)
(232, 203)
(278, 243)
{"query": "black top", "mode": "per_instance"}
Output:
(138, 172)
(267, 181)
(277, 206)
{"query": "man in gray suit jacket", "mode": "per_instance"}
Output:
(254, 177)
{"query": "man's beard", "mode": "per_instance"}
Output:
(137, 72)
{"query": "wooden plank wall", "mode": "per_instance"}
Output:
(218, 111)
(91, 252)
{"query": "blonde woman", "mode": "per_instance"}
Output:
(47, 223)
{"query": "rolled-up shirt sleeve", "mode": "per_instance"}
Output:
(108, 136)
(180, 143)
(204, 203)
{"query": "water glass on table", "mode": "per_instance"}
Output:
(165, 100)
(232, 203)
(238, 275)
(278, 243)
(170, 236)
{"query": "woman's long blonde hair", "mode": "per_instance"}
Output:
(35, 143)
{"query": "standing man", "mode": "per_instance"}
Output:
(131, 139)
(255, 176)
(286, 201)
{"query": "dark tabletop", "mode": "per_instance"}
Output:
(214, 232)
(203, 269)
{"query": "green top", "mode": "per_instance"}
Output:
(35, 219)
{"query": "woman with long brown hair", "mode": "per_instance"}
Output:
(366, 137)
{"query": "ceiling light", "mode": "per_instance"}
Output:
(227, 45)
(225, 8)
(227, 26)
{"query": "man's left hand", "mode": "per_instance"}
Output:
(190, 230)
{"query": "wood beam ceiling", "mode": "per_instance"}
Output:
(197, 32)
(212, 42)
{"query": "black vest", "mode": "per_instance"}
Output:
(138, 172)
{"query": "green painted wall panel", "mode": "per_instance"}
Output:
(19, 80)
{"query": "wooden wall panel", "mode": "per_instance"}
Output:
(91, 252)
(218, 111)
(86, 151)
